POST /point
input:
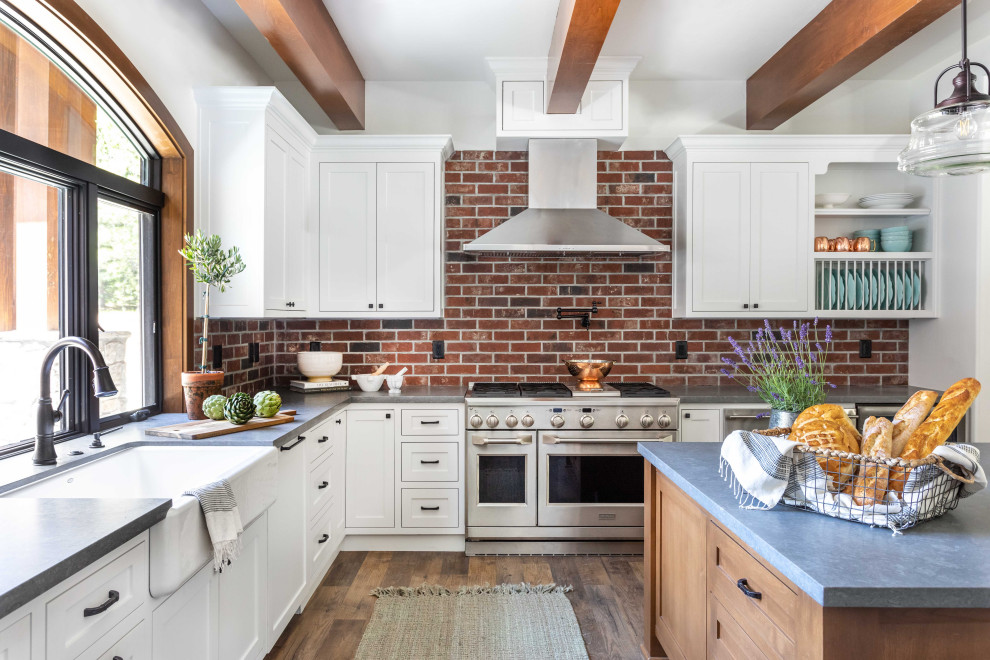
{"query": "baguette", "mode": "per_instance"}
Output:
(870, 485)
(943, 420)
(909, 418)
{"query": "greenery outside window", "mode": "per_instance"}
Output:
(79, 234)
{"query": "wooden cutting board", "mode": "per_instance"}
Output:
(209, 428)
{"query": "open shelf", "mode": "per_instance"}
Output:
(825, 213)
(870, 256)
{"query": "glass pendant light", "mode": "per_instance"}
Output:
(954, 138)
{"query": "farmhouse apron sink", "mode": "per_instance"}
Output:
(180, 544)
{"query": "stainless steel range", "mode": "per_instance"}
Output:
(554, 470)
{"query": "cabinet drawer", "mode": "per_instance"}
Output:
(321, 540)
(726, 638)
(429, 461)
(121, 587)
(134, 645)
(318, 442)
(769, 619)
(430, 507)
(320, 488)
(430, 422)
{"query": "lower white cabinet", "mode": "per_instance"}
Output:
(16, 639)
(185, 625)
(134, 644)
(430, 507)
(243, 594)
(287, 555)
(370, 478)
(700, 425)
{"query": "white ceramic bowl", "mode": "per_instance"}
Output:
(830, 200)
(369, 383)
(319, 366)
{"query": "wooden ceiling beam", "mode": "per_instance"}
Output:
(842, 40)
(306, 38)
(578, 35)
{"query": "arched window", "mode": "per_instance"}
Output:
(84, 225)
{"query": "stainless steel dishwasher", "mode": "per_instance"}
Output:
(756, 417)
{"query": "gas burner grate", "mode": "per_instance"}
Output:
(543, 390)
(494, 390)
(640, 390)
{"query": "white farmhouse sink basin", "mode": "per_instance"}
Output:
(180, 544)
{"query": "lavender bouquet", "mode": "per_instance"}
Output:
(785, 369)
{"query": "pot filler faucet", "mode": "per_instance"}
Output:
(44, 441)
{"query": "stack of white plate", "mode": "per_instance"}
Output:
(886, 201)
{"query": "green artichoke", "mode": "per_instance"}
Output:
(213, 406)
(239, 409)
(267, 403)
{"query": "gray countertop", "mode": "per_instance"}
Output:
(738, 394)
(941, 563)
(46, 541)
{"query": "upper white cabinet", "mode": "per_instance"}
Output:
(745, 221)
(252, 189)
(380, 236)
(333, 226)
(521, 100)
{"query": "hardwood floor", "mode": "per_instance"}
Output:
(607, 597)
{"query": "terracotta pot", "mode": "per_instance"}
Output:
(197, 387)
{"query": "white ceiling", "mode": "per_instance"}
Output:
(448, 40)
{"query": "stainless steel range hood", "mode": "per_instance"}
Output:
(563, 214)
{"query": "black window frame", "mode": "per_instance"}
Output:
(86, 184)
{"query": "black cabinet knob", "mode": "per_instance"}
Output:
(324, 538)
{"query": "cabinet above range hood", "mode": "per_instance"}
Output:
(563, 213)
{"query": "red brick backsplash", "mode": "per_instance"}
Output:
(499, 319)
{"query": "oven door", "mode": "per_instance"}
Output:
(501, 475)
(592, 478)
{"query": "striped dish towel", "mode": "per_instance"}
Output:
(223, 521)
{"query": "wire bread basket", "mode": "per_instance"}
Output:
(886, 492)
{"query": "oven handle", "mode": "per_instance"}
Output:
(557, 440)
(482, 441)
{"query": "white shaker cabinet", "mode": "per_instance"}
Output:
(243, 597)
(380, 230)
(780, 233)
(16, 641)
(369, 481)
(186, 624)
(252, 178)
(286, 541)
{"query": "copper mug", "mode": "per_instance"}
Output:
(840, 244)
(821, 244)
(862, 244)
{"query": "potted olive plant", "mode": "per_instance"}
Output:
(214, 267)
(785, 368)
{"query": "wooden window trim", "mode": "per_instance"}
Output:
(75, 31)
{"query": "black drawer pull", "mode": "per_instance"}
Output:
(744, 587)
(323, 485)
(294, 444)
(436, 421)
(100, 609)
(323, 439)
(324, 538)
(337, 421)
(430, 462)
(430, 508)
(116, 657)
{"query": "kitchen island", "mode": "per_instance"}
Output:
(722, 581)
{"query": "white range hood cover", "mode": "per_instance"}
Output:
(563, 213)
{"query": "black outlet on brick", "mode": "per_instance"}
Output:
(217, 356)
(439, 350)
(254, 352)
(315, 346)
(680, 350)
(865, 348)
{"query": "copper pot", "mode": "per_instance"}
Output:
(821, 244)
(842, 244)
(589, 372)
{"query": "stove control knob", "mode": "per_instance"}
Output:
(556, 421)
(646, 421)
(663, 421)
(527, 420)
(587, 421)
(492, 421)
(622, 421)
(511, 421)
(476, 421)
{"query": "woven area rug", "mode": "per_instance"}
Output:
(505, 622)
